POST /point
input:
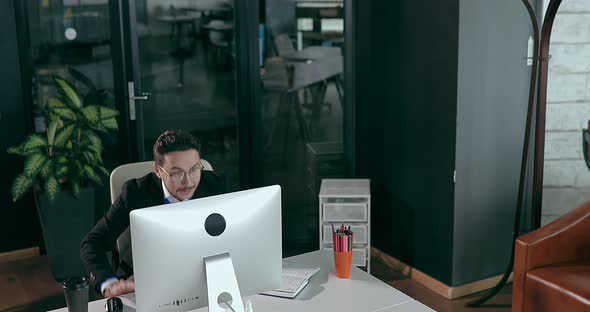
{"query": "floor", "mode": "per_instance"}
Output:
(27, 285)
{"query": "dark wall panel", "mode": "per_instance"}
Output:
(19, 227)
(405, 130)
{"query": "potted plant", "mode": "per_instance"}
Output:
(61, 166)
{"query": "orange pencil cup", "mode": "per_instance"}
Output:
(342, 263)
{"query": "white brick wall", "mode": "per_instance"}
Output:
(570, 28)
(566, 173)
(566, 177)
(558, 201)
(569, 58)
(574, 6)
(567, 87)
(563, 145)
(567, 116)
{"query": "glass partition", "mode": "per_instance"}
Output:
(301, 109)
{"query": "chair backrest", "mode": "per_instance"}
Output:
(125, 173)
(119, 176)
(283, 44)
(217, 37)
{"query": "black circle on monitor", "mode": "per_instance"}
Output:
(215, 224)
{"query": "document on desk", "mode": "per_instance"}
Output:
(295, 278)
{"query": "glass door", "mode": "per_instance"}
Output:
(180, 74)
(73, 39)
(301, 109)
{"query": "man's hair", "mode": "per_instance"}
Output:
(173, 141)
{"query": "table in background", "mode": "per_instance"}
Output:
(313, 53)
(325, 292)
(304, 75)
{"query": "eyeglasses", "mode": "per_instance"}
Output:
(179, 175)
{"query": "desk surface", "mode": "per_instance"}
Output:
(313, 53)
(180, 18)
(219, 27)
(325, 292)
(304, 74)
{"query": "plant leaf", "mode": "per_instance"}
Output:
(51, 132)
(54, 102)
(104, 171)
(92, 114)
(61, 171)
(33, 164)
(20, 186)
(32, 142)
(45, 171)
(100, 127)
(106, 113)
(94, 139)
(51, 188)
(69, 93)
(93, 148)
(110, 124)
(76, 188)
(89, 157)
(17, 150)
(63, 135)
(62, 160)
(89, 172)
(65, 113)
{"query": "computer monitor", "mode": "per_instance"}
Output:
(173, 244)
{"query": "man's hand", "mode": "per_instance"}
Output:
(120, 287)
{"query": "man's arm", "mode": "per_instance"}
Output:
(103, 238)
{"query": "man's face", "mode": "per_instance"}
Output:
(175, 163)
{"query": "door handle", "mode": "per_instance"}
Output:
(141, 97)
(132, 98)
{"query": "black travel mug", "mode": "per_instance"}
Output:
(76, 292)
(114, 304)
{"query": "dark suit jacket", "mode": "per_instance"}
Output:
(136, 193)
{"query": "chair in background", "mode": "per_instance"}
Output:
(220, 35)
(284, 45)
(552, 265)
(284, 48)
(122, 255)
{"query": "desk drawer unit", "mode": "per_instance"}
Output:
(347, 212)
(348, 202)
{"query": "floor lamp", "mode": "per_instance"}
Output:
(540, 63)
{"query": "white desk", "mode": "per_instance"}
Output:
(325, 292)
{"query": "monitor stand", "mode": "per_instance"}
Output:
(221, 280)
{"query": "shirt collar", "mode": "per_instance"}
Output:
(169, 196)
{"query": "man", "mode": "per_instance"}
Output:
(177, 176)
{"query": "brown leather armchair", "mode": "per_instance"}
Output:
(552, 265)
